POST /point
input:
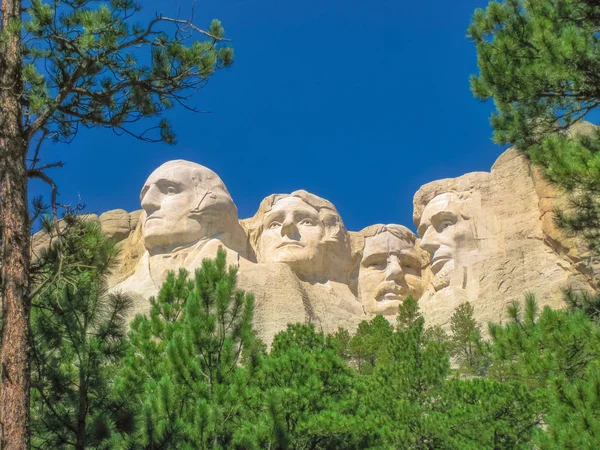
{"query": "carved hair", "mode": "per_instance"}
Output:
(462, 187)
(208, 187)
(400, 231)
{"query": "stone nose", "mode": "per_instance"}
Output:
(151, 200)
(289, 229)
(393, 271)
(430, 241)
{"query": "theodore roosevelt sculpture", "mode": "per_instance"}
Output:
(389, 269)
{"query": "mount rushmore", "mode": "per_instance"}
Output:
(484, 237)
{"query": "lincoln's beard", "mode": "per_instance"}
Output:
(442, 278)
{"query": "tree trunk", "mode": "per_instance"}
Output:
(14, 221)
(83, 408)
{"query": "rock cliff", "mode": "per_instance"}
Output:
(485, 237)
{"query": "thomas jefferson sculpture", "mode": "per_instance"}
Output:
(303, 231)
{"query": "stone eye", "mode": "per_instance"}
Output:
(446, 224)
(273, 224)
(413, 268)
(309, 222)
(171, 190)
(378, 265)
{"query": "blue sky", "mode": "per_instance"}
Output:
(360, 102)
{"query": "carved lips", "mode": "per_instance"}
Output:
(389, 290)
(290, 244)
(439, 261)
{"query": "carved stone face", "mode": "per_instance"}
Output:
(440, 231)
(293, 234)
(184, 202)
(390, 270)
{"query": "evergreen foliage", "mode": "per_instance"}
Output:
(194, 375)
(584, 301)
(465, 343)
(182, 374)
(369, 343)
(64, 65)
(539, 62)
(483, 413)
(307, 395)
(574, 412)
(400, 395)
(555, 354)
(79, 339)
(408, 313)
(381, 388)
(82, 66)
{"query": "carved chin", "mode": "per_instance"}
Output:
(387, 307)
(291, 255)
(157, 238)
(442, 278)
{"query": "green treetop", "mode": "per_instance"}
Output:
(182, 375)
(539, 61)
(305, 396)
(556, 355)
(465, 343)
(79, 338)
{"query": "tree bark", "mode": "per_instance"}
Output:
(14, 221)
(83, 408)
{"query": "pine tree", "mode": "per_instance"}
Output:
(182, 374)
(369, 343)
(465, 344)
(538, 61)
(410, 401)
(341, 340)
(556, 355)
(482, 413)
(305, 396)
(79, 339)
(408, 313)
(586, 302)
(573, 419)
(65, 65)
(398, 397)
(535, 347)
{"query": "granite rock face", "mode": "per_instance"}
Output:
(490, 241)
(117, 224)
(484, 237)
